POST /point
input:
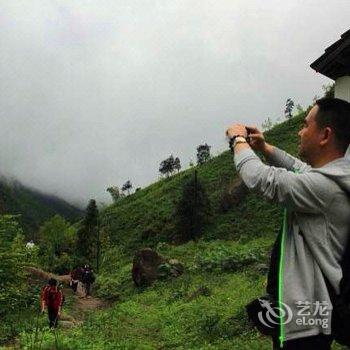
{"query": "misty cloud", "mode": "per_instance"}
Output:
(94, 93)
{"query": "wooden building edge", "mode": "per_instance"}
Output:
(335, 64)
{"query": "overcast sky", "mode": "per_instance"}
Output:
(94, 93)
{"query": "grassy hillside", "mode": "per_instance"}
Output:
(33, 206)
(203, 308)
(147, 216)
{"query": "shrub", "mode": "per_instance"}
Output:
(223, 259)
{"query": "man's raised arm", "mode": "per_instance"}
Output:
(306, 192)
(274, 155)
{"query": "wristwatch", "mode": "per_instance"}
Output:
(236, 139)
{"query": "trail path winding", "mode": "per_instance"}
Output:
(80, 305)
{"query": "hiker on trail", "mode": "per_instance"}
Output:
(87, 278)
(76, 276)
(305, 267)
(52, 298)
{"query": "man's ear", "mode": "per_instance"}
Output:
(327, 136)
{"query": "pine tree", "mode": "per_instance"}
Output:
(289, 108)
(193, 209)
(177, 164)
(88, 242)
(203, 153)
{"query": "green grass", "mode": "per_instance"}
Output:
(164, 316)
(203, 308)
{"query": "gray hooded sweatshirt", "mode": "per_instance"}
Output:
(318, 221)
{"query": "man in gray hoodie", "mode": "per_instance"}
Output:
(316, 198)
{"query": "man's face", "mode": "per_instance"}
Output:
(310, 136)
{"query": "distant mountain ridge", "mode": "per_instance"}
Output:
(34, 207)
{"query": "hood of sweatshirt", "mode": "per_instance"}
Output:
(338, 170)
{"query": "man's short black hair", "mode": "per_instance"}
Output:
(335, 113)
(52, 282)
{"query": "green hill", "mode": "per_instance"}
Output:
(33, 206)
(224, 270)
(147, 216)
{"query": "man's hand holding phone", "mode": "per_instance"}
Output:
(256, 138)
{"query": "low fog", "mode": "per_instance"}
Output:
(94, 93)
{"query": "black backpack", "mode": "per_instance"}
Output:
(88, 277)
(341, 302)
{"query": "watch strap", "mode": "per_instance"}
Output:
(236, 139)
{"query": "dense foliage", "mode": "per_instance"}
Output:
(57, 239)
(15, 293)
(87, 244)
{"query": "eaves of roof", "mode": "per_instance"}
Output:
(335, 62)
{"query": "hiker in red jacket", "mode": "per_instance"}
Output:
(52, 298)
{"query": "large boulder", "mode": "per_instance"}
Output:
(145, 266)
(148, 266)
